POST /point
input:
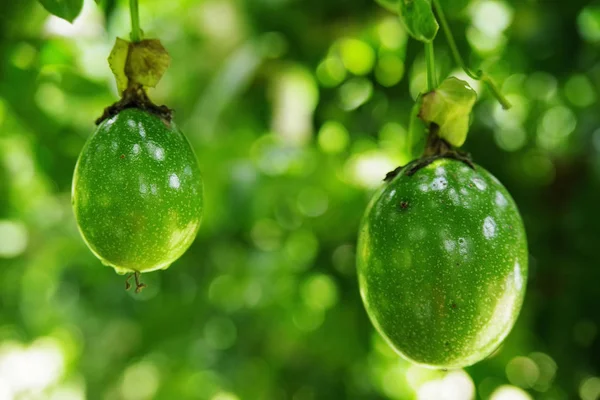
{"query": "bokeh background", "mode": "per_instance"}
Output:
(296, 110)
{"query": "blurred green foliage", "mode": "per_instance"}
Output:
(296, 110)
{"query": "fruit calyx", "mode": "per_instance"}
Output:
(435, 149)
(135, 96)
(137, 66)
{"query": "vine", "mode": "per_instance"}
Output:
(136, 34)
(445, 108)
(479, 75)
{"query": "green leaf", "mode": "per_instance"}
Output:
(449, 107)
(418, 19)
(65, 9)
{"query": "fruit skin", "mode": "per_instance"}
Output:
(442, 264)
(137, 192)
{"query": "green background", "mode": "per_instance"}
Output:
(296, 110)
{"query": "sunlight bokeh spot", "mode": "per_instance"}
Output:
(516, 115)
(368, 169)
(547, 368)
(483, 42)
(588, 23)
(491, 17)
(511, 138)
(580, 91)
(333, 137)
(389, 70)
(394, 381)
(140, 381)
(392, 35)
(266, 235)
(26, 370)
(225, 396)
(301, 248)
(308, 319)
(220, 333)
(508, 392)
(456, 385)
(355, 92)
(24, 55)
(555, 127)
(313, 201)
(522, 372)
(319, 292)
(358, 56)
(13, 238)
(295, 96)
(541, 86)
(331, 72)
(590, 388)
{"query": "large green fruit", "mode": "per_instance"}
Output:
(442, 263)
(137, 192)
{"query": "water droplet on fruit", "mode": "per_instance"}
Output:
(174, 181)
(449, 245)
(489, 227)
(439, 183)
(481, 185)
(501, 200)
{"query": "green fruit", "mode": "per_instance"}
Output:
(137, 192)
(442, 263)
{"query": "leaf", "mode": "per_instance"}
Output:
(148, 60)
(117, 60)
(142, 63)
(449, 106)
(418, 19)
(65, 9)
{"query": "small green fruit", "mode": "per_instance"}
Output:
(137, 192)
(442, 263)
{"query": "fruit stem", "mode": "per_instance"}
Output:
(430, 60)
(479, 75)
(138, 285)
(136, 34)
(435, 146)
(127, 284)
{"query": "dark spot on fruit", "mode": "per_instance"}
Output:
(454, 306)
(122, 156)
(403, 205)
